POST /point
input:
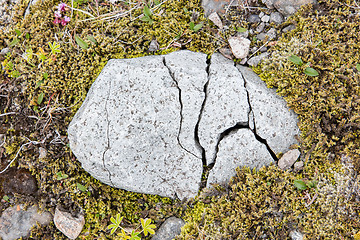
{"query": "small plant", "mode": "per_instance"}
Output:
(59, 18)
(61, 176)
(308, 70)
(301, 185)
(146, 225)
(6, 198)
(358, 67)
(194, 27)
(241, 29)
(147, 15)
(81, 42)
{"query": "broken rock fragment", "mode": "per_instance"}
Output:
(226, 104)
(273, 120)
(238, 149)
(150, 124)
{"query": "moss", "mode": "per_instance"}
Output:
(328, 105)
(266, 203)
(257, 202)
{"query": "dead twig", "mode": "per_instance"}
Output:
(22, 146)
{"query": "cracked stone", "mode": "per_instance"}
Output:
(135, 147)
(239, 148)
(191, 81)
(273, 120)
(226, 104)
(149, 124)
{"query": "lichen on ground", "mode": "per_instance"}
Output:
(256, 202)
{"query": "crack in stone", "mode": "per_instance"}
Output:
(181, 107)
(206, 169)
(260, 139)
(107, 133)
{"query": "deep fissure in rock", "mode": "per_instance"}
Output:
(257, 137)
(107, 132)
(205, 173)
(181, 107)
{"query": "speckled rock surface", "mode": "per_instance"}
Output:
(273, 120)
(150, 124)
(126, 132)
(226, 104)
(69, 225)
(169, 229)
(239, 148)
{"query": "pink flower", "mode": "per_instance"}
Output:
(57, 21)
(57, 14)
(66, 19)
(62, 7)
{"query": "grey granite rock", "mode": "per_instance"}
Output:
(239, 148)
(226, 104)
(288, 28)
(15, 222)
(254, 18)
(220, 7)
(169, 229)
(126, 132)
(273, 121)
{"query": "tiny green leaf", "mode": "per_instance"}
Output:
(358, 67)
(156, 2)
(27, 36)
(81, 187)
(135, 235)
(39, 83)
(92, 39)
(296, 60)
(45, 75)
(115, 223)
(147, 226)
(60, 176)
(241, 29)
(147, 11)
(311, 72)
(300, 185)
(81, 42)
(17, 31)
(6, 198)
(192, 25)
(197, 27)
(14, 42)
(40, 98)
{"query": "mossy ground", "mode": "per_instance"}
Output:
(256, 202)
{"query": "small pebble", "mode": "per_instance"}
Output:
(265, 18)
(298, 166)
(214, 17)
(260, 27)
(254, 18)
(288, 28)
(276, 17)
